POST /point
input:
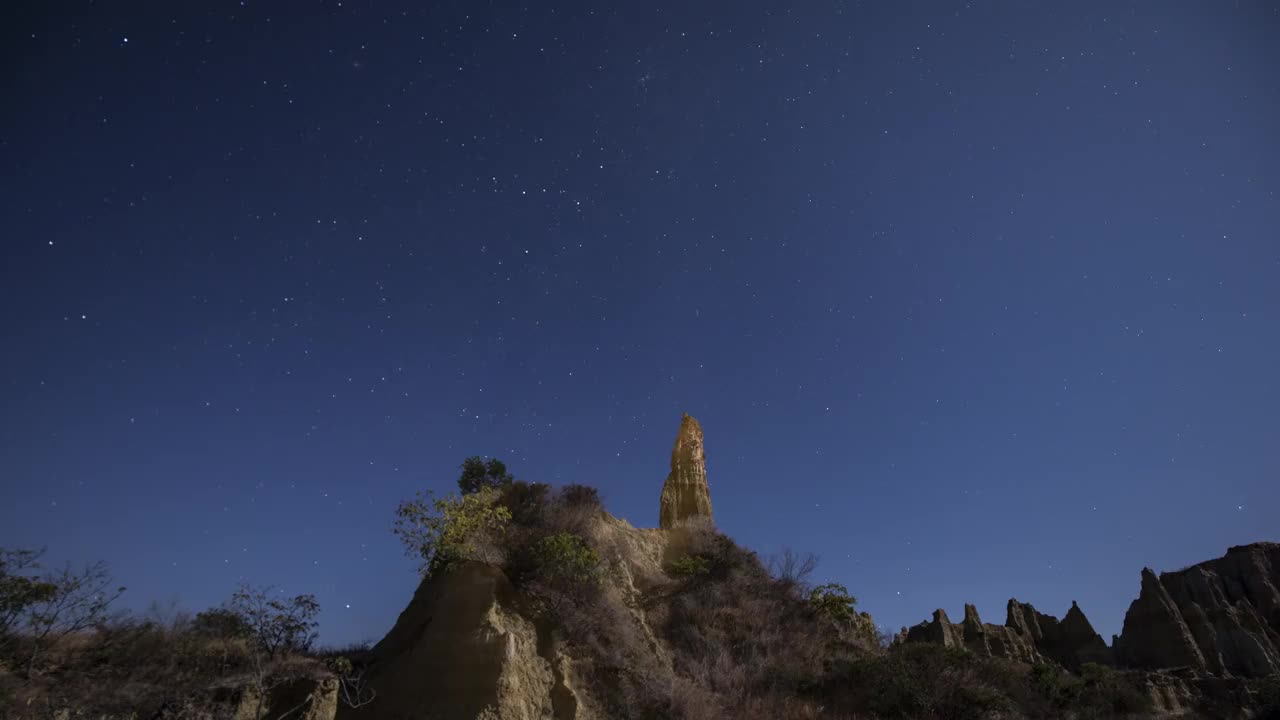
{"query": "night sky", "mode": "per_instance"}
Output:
(973, 300)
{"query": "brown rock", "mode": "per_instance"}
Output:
(978, 637)
(939, 631)
(686, 495)
(1078, 643)
(1027, 636)
(1155, 635)
(459, 650)
(1070, 643)
(1221, 616)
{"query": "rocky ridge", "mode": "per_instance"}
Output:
(1027, 636)
(1218, 618)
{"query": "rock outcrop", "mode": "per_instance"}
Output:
(686, 495)
(1217, 618)
(460, 651)
(1070, 643)
(1027, 636)
(469, 646)
(1221, 616)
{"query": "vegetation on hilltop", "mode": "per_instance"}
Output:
(711, 631)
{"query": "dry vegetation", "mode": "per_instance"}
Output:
(679, 625)
(743, 638)
(65, 653)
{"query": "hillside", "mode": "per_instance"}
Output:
(537, 603)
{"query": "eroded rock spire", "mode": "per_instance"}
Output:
(685, 494)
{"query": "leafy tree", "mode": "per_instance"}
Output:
(443, 530)
(834, 601)
(478, 474)
(277, 625)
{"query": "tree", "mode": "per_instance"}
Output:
(834, 601)
(478, 474)
(221, 624)
(276, 625)
(18, 592)
(443, 530)
(69, 602)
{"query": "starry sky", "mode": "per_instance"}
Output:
(973, 300)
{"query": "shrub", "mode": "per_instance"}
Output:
(527, 502)
(1105, 690)
(834, 601)
(443, 530)
(920, 680)
(276, 625)
(688, 566)
(58, 606)
(1054, 685)
(578, 496)
(566, 558)
(220, 624)
(18, 592)
(974, 702)
(793, 568)
(477, 475)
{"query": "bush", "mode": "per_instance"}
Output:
(580, 496)
(18, 592)
(688, 566)
(220, 624)
(441, 531)
(834, 601)
(527, 502)
(1107, 691)
(566, 558)
(50, 609)
(477, 475)
(276, 625)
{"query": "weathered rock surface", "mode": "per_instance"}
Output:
(1217, 618)
(1070, 643)
(686, 495)
(468, 648)
(1155, 635)
(459, 650)
(1027, 636)
(1221, 616)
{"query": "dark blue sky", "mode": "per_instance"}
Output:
(973, 300)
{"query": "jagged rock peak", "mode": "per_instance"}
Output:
(1220, 616)
(685, 494)
(1027, 635)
